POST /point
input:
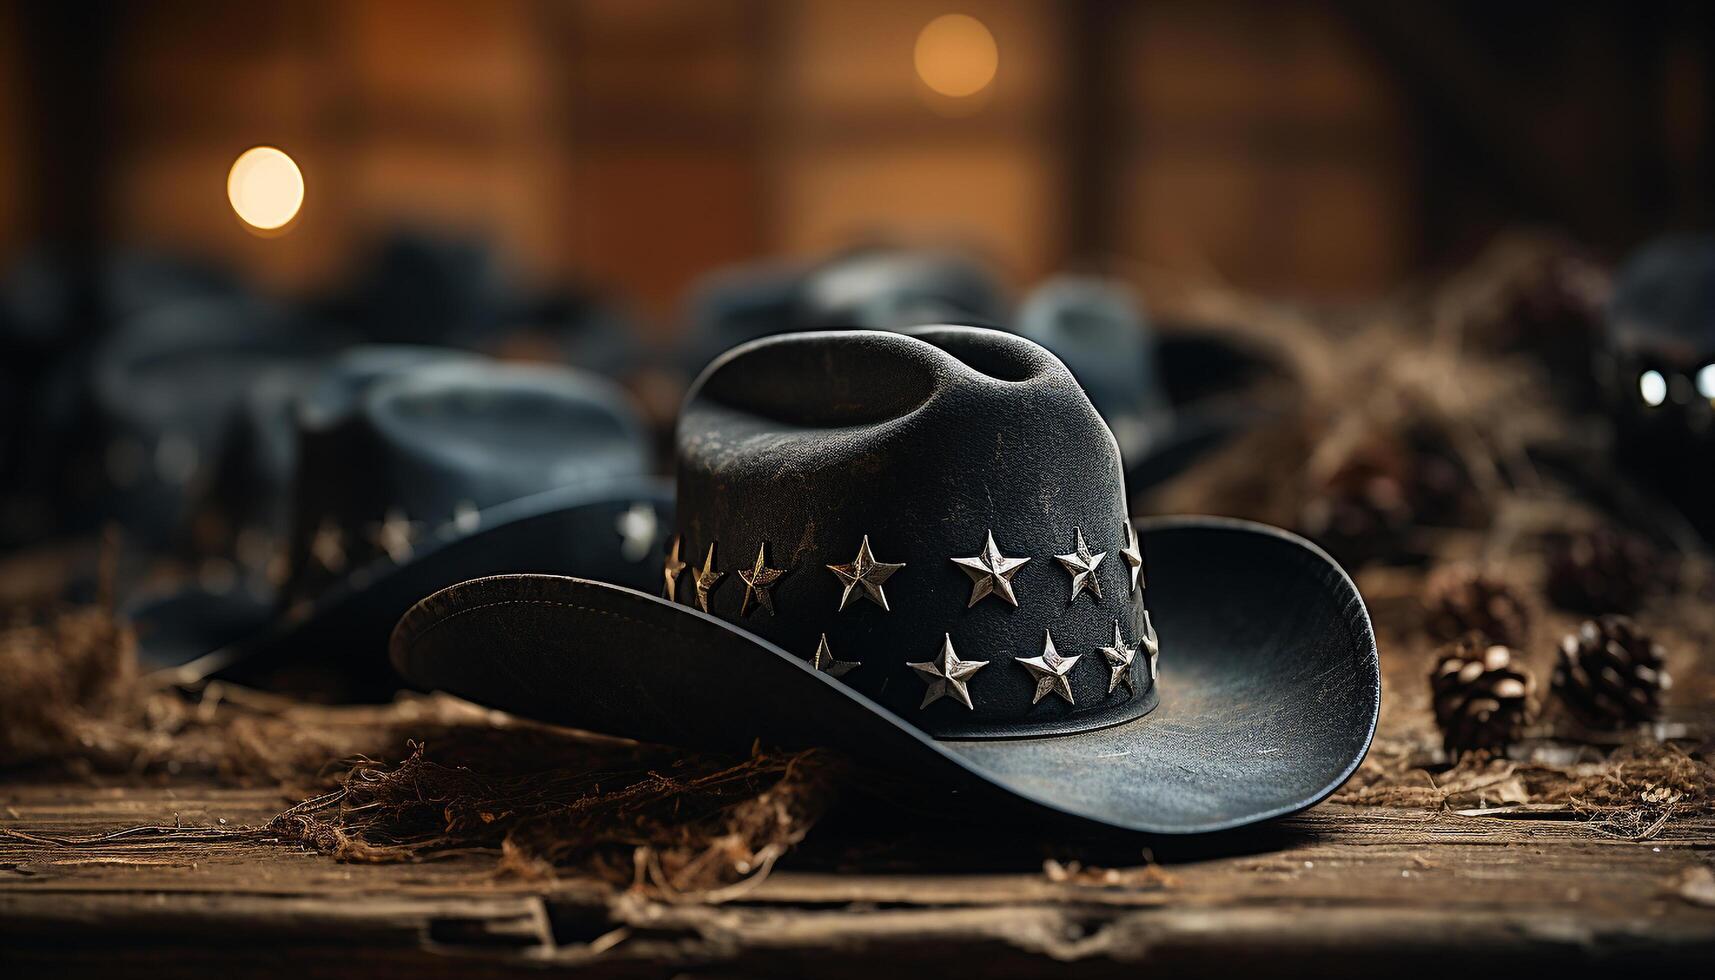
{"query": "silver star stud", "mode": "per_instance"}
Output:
(328, 546)
(1119, 657)
(636, 527)
(991, 573)
(1133, 555)
(824, 660)
(1081, 565)
(670, 570)
(1151, 645)
(395, 535)
(706, 579)
(947, 675)
(757, 581)
(1050, 671)
(866, 573)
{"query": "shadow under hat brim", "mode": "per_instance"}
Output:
(1270, 684)
(336, 646)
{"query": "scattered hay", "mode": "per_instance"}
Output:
(550, 801)
(1077, 874)
(69, 691)
(75, 705)
(689, 827)
(1631, 793)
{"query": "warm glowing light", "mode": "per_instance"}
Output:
(1706, 381)
(265, 188)
(956, 56)
(1653, 387)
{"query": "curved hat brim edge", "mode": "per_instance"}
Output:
(524, 518)
(521, 616)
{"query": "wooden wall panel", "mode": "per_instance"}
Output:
(994, 199)
(1263, 144)
(642, 143)
(845, 58)
(865, 150)
(648, 220)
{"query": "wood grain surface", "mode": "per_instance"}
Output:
(1341, 890)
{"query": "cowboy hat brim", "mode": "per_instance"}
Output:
(332, 645)
(1270, 684)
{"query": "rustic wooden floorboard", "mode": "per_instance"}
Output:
(1354, 889)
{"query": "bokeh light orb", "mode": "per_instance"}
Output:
(1652, 386)
(266, 188)
(956, 56)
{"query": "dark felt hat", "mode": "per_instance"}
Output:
(1657, 371)
(915, 549)
(166, 386)
(118, 372)
(1169, 396)
(442, 288)
(871, 288)
(894, 289)
(1098, 329)
(417, 468)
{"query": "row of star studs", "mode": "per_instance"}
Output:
(948, 675)
(864, 576)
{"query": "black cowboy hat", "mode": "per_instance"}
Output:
(1656, 370)
(58, 307)
(915, 549)
(1170, 397)
(417, 468)
(154, 396)
(870, 288)
(443, 288)
(1099, 330)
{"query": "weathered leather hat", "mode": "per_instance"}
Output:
(417, 468)
(915, 549)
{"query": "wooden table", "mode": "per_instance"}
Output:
(1341, 890)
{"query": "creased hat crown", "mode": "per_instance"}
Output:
(832, 457)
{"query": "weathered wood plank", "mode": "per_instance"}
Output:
(1351, 889)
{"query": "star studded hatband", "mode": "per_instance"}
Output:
(1084, 672)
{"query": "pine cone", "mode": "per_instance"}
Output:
(1384, 486)
(1610, 673)
(1560, 305)
(1481, 700)
(1603, 571)
(1542, 297)
(1361, 510)
(1462, 600)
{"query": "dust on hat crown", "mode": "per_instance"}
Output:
(937, 518)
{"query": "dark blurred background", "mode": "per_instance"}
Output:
(1318, 150)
